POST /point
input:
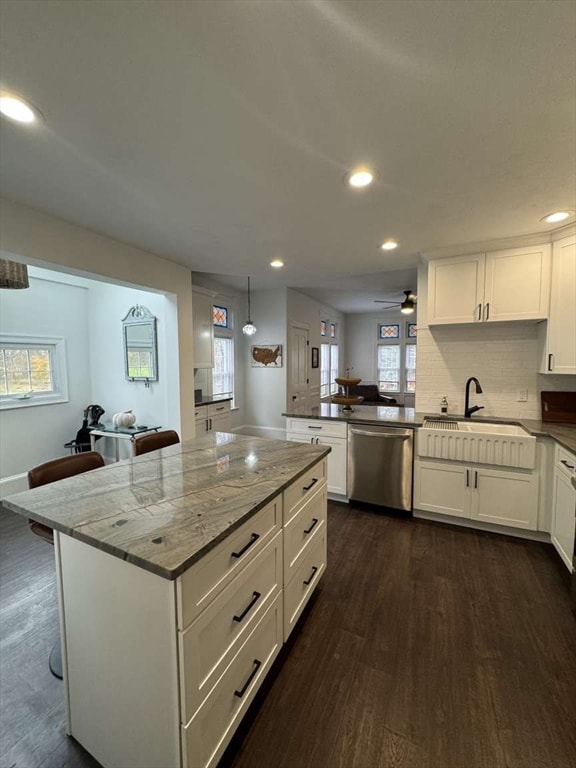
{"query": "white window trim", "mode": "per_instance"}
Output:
(402, 342)
(59, 371)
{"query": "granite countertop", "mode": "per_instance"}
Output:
(564, 434)
(165, 510)
(213, 399)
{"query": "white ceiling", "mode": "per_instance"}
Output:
(218, 134)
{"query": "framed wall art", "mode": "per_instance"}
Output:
(266, 356)
(315, 361)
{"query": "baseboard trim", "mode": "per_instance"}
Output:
(463, 522)
(13, 484)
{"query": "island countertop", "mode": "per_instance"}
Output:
(564, 434)
(164, 510)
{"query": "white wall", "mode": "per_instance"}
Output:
(265, 388)
(109, 304)
(32, 435)
(503, 356)
(49, 242)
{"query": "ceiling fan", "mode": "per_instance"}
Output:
(406, 307)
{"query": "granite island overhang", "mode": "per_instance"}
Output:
(165, 510)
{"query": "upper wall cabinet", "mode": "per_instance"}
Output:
(558, 335)
(490, 287)
(203, 328)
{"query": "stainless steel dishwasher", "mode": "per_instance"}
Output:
(380, 465)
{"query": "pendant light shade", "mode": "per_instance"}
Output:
(13, 274)
(249, 328)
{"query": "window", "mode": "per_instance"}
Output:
(223, 371)
(328, 360)
(396, 359)
(32, 371)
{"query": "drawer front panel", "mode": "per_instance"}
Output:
(208, 733)
(202, 582)
(565, 461)
(303, 488)
(210, 642)
(218, 409)
(301, 531)
(200, 412)
(306, 576)
(318, 427)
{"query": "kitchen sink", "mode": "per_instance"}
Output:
(492, 428)
(479, 442)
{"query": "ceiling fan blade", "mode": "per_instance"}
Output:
(382, 301)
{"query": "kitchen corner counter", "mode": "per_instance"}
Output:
(165, 510)
(213, 399)
(564, 434)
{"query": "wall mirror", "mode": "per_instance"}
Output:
(140, 349)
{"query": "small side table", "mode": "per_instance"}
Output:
(118, 433)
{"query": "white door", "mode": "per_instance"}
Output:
(442, 487)
(298, 385)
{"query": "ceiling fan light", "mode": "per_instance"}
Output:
(407, 307)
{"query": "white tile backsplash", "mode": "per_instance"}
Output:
(502, 356)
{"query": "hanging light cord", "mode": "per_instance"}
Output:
(249, 313)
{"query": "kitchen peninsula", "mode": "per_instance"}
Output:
(180, 574)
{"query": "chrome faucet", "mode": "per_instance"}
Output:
(468, 411)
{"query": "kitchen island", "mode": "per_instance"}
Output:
(180, 574)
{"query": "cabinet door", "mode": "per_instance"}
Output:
(456, 289)
(336, 463)
(517, 284)
(443, 488)
(203, 330)
(201, 426)
(504, 498)
(563, 517)
(561, 353)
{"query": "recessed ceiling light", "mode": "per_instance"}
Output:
(277, 263)
(389, 245)
(361, 177)
(17, 108)
(554, 218)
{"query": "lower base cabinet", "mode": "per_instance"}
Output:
(332, 433)
(563, 505)
(498, 496)
(172, 666)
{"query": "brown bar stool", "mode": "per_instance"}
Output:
(49, 472)
(154, 441)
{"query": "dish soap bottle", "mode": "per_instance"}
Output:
(444, 405)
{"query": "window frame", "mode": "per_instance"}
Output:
(56, 346)
(403, 341)
(225, 332)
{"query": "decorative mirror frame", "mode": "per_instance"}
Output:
(139, 316)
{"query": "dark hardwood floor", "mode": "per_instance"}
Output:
(425, 646)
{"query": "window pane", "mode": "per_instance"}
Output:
(139, 363)
(223, 371)
(410, 367)
(389, 368)
(332, 330)
(25, 370)
(389, 331)
(333, 368)
(324, 370)
(322, 327)
(220, 316)
(411, 330)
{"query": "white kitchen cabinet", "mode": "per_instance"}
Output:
(332, 433)
(203, 328)
(558, 335)
(511, 284)
(563, 505)
(214, 417)
(498, 496)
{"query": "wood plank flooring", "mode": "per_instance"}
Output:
(425, 646)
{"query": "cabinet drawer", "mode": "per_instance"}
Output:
(209, 643)
(304, 487)
(317, 427)
(200, 412)
(302, 530)
(203, 581)
(306, 576)
(208, 733)
(218, 409)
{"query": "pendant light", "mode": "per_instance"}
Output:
(249, 328)
(407, 306)
(13, 274)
